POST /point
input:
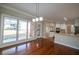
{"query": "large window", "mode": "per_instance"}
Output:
(10, 27)
(22, 30)
(15, 29)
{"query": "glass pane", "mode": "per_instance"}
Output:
(22, 30)
(30, 30)
(29, 34)
(10, 27)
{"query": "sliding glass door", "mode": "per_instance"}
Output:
(22, 30)
(10, 28)
(16, 29)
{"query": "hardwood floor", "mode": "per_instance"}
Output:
(39, 47)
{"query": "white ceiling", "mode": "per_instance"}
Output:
(51, 11)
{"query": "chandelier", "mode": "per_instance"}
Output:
(37, 17)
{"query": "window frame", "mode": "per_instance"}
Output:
(2, 27)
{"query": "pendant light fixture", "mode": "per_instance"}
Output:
(37, 18)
